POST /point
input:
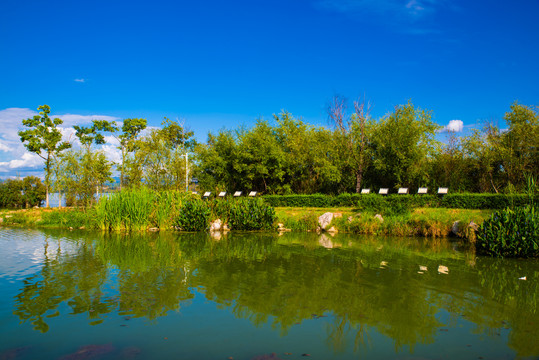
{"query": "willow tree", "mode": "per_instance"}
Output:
(44, 139)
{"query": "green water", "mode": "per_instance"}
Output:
(76, 295)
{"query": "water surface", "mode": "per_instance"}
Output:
(80, 295)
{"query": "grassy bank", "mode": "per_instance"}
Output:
(143, 209)
(418, 222)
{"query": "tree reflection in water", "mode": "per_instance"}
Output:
(358, 287)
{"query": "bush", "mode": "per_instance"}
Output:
(374, 201)
(386, 205)
(194, 215)
(510, 233)
(250, 214)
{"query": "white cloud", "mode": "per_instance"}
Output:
(27, 160)
(112, 153)
(18, 158)
(79, 80)
(4, 147)
(455, 126)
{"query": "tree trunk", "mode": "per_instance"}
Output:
(359, 179)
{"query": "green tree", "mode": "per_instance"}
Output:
(131, 128)
(351, 136)
(160, 160)
(44, 139)
(402, 146)
(521, 143)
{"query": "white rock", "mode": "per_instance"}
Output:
(379, 217)
(216, 225)
(422, 268)
(325, 219)
(332, 230)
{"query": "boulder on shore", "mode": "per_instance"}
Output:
(325, 219)
(215, 225)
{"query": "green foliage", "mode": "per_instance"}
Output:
(251, 214)
(125, 210)
(65, 218)
(510, 233)
(244, 213)
(375, 202)
(22, 193)
(482, 201)
(44, 139)
(194, 215)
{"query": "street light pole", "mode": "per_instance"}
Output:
(186, 172)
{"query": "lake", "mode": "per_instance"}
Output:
(255, 296)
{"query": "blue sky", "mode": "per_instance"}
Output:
(218, 64)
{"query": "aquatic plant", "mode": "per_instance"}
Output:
(510, 233)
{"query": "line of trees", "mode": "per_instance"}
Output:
(287, 155)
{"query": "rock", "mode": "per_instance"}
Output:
(225, 227)
(153, 229)
(216, 225)
(82, 228)
(473, 226)
(337, 215)
(379, 217)
(350, 218)
(324, 220)
(455, 228)
(332, 230)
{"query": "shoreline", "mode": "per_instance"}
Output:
(420, 222)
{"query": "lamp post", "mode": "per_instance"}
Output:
(186, 172)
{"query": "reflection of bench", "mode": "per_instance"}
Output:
(422, 190)
(403, 191)
(442, 190)
(206, 194)
(237, 193)
(365, 191)
(252, 193)
(222, 194)
(383, 191)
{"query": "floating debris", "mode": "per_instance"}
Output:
(522, 278)
(272, 356)
(89, 352)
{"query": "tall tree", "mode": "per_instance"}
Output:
(44, 139)
(402, 144)
(351, 135)
(131, 128)
(521, 142)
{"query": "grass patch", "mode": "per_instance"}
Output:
(431, 222)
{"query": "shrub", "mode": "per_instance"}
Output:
(194, 215)
(251, 214)
(510, 233)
